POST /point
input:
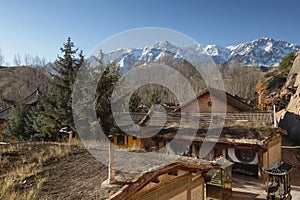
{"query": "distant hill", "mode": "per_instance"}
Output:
(18, 82)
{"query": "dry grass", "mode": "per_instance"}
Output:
(22, 165)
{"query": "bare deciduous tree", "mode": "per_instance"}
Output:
(17, 60)
(240, 80)
(1, 58)
(27, 59)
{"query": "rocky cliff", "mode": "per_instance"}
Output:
(289, 117)
(293, 81)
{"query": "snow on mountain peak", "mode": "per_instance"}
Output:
(165, 45)
(261, 52)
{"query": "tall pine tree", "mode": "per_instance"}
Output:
(104, 91)
(56, 107)
(16, 126)
(134, 103)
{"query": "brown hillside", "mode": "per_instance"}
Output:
(18, 82)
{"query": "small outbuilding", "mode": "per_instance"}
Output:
(220, 186)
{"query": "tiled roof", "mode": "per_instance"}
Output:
(205, 119)
(279, 169)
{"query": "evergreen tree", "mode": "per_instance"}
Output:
(84, 104)
(16, 127)
(87, 101)
(56, 107)
(104, 92)
(37, 121)
(134, 102)
(286, 63)
(153, 99)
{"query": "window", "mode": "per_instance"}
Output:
(244, 155)
(120, 140)
(209, 103)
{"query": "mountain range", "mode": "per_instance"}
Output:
(263, 52)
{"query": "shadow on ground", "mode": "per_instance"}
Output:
(244, 195)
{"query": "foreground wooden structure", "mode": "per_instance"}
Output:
(220, 186)
(184, 179)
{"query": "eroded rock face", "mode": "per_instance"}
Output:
(294, 81)
(293, 75)
(278, 91)
(290, 121)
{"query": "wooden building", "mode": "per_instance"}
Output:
(250, 150)
(132, 140)
(183, 179)
(249, 140)
(124, 141)
(248, 137)
(205, 99)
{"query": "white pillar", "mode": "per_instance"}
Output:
(274, 116)
(224, 153)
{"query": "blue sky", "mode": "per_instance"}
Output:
(40, 27)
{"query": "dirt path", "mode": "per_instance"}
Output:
(73, 175)
(78, 176)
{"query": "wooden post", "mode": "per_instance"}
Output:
(224, 153)
(189, 188)
(111, 170)
(260, 164)
(70, 137)
(194, 151)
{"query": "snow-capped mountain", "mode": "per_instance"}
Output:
(260, 52)
(220, 55)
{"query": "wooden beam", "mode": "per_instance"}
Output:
(155, 180)
(173, 173)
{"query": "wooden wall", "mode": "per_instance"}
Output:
(205, 102)
(129, 142)
(178, 187)
(1, 128)
(273, 155)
